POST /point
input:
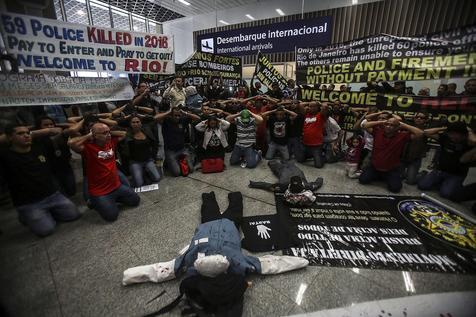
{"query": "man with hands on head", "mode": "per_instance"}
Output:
(175, 123)
(390, 138)
(456, 139)
(315, 116)
(246, 123)
(24, 165)
(278, 123)
(104, 186)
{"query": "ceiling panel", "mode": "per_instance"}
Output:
(146, 8)
(197, 7)
(166, 10)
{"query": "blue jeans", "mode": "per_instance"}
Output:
(41, 216)
(137, 172)
(122, 178)
(106, 205)
(392, 178)
(448, 184)
(250, 155)
(305, 151)
(468, 192)
(282, 149)
(171, 160)
(293, 145)
(328, 153)
(410, 170)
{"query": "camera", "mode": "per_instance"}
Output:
(155, 87)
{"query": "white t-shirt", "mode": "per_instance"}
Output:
(331, 132)
(368, 138)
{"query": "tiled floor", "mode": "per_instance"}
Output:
(78, 270)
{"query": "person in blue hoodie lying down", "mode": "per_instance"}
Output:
(215, 249)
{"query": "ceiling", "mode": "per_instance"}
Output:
(166, 10)
(198, 7)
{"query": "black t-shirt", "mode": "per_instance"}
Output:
(57, 151)
(295, 127)
(450, 155)
(28, 175)
(140, 150)
(174, 133)
(279, 129)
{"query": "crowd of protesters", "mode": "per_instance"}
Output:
(171, 131)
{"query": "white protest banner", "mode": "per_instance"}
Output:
(45, 44)
(41, 89)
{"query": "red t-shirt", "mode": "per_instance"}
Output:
(101, 169)
(313, 129)
(260, 129)
(387, 152)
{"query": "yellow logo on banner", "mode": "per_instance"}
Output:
(439, 223)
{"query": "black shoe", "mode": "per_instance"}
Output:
(317, 184)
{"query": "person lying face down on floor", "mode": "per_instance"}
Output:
(214, 259)
(286, 171)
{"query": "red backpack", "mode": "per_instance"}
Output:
(212, 165)
(184, 166)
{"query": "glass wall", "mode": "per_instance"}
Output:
(76, 11)
(101, 14)
(138, 24)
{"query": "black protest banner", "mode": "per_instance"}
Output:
(381, 232)
(453, 108)
(443, 55)
(267, 74)
(197, 69)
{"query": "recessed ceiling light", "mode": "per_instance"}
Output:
(250, 17)
(355, 1)
(184, 2)
(224, 22)
(280, 12)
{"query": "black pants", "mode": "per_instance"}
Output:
(213, 152)
(211, 211)
(284, 170)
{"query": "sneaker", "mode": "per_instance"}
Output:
(317, 184)
(260, 155)
(243, 164)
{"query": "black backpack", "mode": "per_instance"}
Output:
(220, 296)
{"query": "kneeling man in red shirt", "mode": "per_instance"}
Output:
(390, 137)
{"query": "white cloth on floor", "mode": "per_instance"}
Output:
(273, 264)
(158, 272)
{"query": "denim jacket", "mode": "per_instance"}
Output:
(217, 237)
